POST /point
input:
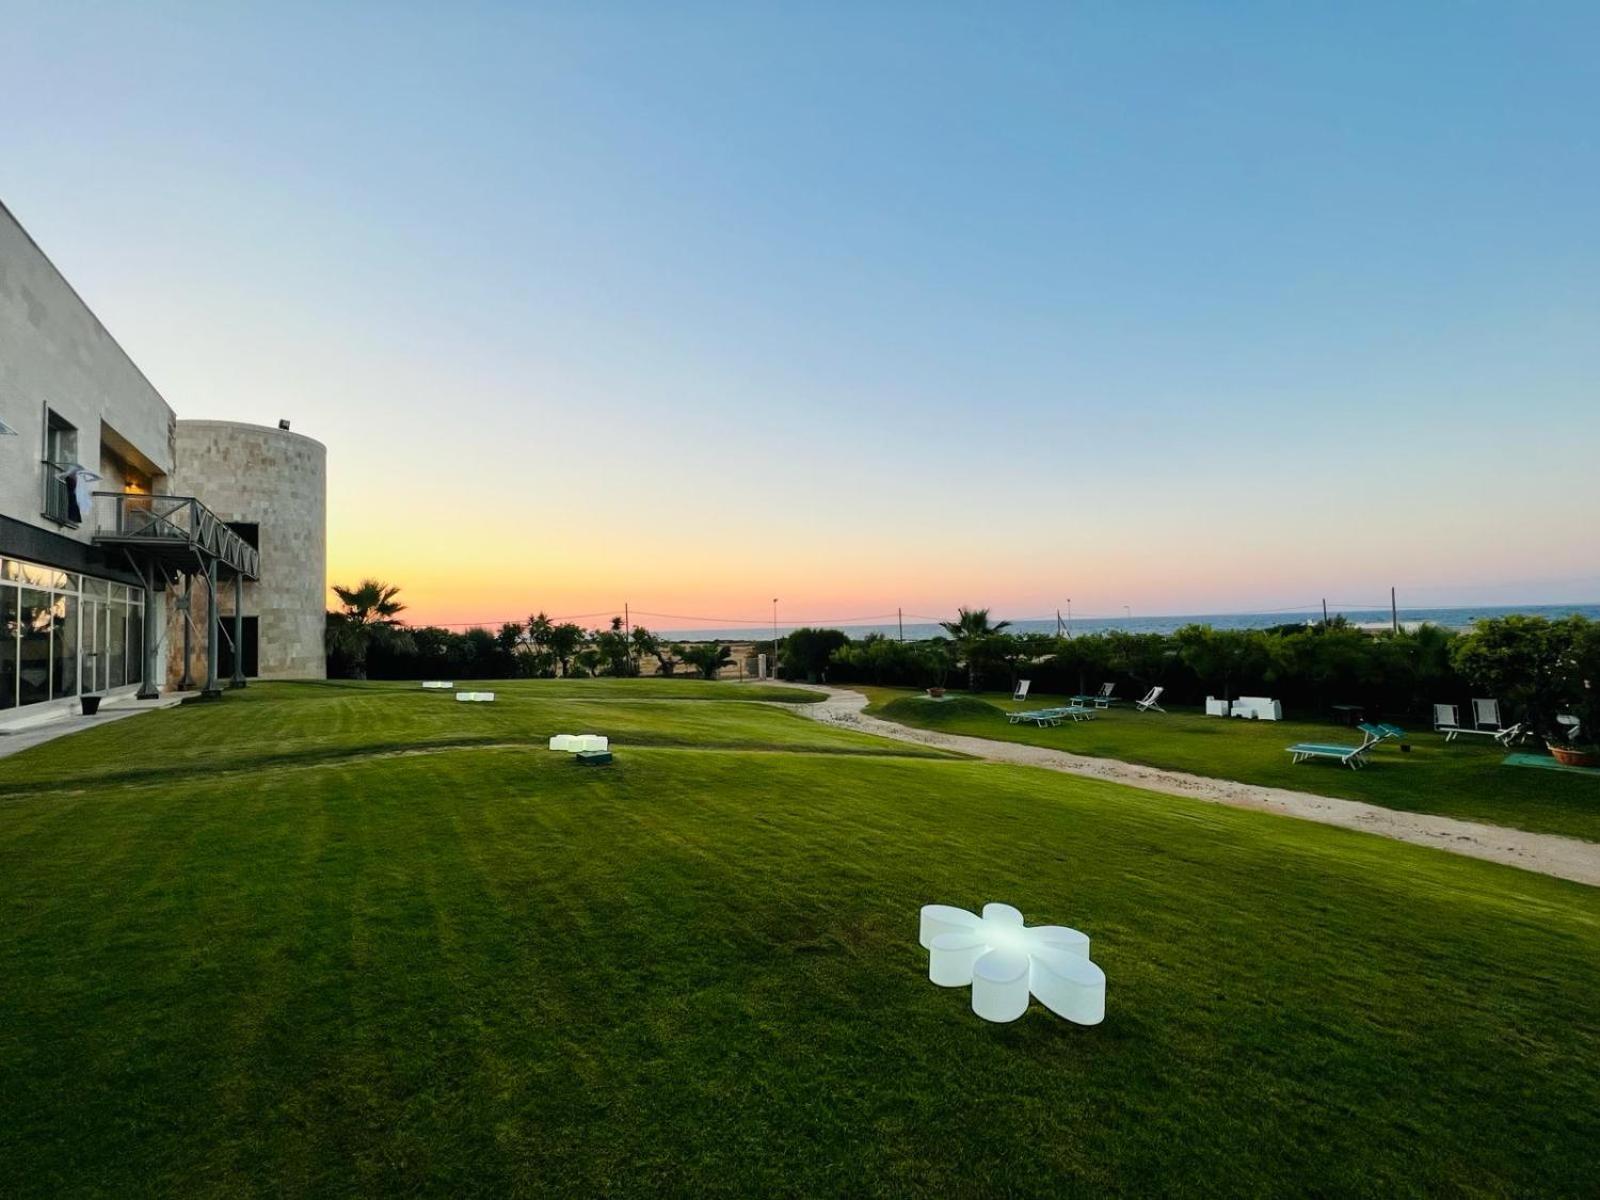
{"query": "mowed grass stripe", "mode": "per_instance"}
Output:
(698, 972)
(1466, 778)
(284, 724)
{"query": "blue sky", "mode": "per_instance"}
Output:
(1187, 307)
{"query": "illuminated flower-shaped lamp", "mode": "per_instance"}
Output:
(1005, 962)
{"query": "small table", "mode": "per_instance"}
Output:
(1349, 714)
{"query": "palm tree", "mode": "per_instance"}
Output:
(709, 657)
(539, 629)
(969, 631)
(370, 611)
(644, 642)
(565, 641)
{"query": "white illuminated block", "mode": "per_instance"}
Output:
(442, 685)
(564, 741)
(592, 741)
(1005, 962)
(475, 697)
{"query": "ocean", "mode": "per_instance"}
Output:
(1451, 618)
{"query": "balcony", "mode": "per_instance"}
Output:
(174, 528)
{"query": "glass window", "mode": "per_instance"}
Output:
(27, 572)
(135, 643)
(117, 644)
(94, 624)
(8, 646)
(61, 452)
(64, 678)
(33, 652)
(95, 587)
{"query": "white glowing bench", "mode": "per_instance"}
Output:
(578, 743)
(475, 697)
(1005, 962)
(1215, 707)
(439, 685)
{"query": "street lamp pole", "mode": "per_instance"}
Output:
(774, 637)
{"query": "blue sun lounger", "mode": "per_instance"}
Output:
(1043, 717)
(1379, 731)
(1353, 757)
(1349, 756)
(1101, 699)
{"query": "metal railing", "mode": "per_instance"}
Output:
(136, 518)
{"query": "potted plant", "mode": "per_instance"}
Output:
(936, 668)
(91, 704)
(1580, 747)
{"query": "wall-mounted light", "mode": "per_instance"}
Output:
(283, 424)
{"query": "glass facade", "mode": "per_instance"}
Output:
(62, 634)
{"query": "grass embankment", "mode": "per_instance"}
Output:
(1465, 778)
(487, 970)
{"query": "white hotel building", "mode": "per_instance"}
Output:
(138, 552)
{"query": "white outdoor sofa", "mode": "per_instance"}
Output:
(1257, 708)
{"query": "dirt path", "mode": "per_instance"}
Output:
(1547, 853)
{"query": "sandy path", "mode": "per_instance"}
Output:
(1547, 853)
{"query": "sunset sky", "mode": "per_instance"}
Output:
(1189, 308)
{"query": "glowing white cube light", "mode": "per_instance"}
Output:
(1005, 962)
(443, 685)
(575, 743)
(475, 697)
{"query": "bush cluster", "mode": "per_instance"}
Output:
(1533, 665)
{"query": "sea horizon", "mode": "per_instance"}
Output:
(1456, 617)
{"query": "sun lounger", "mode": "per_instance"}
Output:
(1380, 731)
(1101, 699)
(1372, 734)
(1150, 701)
(1049, 717)
(1485, 722)
(1350, 756)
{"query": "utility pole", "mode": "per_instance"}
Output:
(1069, 616)
(1394, 611)
(900, 620)
(774, 667)
(1324, 612)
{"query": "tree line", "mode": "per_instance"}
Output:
(368, 639)
(1538, 668)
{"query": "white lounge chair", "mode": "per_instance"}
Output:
(1485, 722)
(1150, 701)
(1022, 689)
(1486, 717)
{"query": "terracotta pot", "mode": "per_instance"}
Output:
(936, 693)
(1570, 756)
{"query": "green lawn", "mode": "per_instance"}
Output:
(1465, 778)
(455, 963)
